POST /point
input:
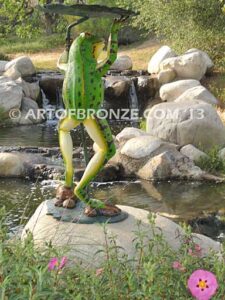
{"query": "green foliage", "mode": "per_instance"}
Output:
(4, 120)
(24, 273)
(185, 24)
(212, 163)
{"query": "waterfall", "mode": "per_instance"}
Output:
(133, 101)
(50, 117)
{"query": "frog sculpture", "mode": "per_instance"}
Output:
(83, 93)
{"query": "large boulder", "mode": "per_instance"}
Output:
(122, 63)
(29, 113)
(11, 165)
(193, 153)
(12, 73)
(171, 91)
(163, 53)
(10, 95)
(209, 62)
(166, 76)
(190, 66)
(30, 90)
(23, 65)
(84, 242)
(197, 93)
(195, 123)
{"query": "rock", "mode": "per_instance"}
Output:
(209, 62)
(23, 65)
(141, 146)
(10, 95)
(222, 153)
(169, 165)
(166, 76)
(171, 91)
(29, 112)
(11, 165)
(84, 242)
(197, 93)
(163, 53)
(30, 90)
(3, 63)
(189, 66)
(12, 73)
(195, 123)
(122, 63)
(129, 133)
(193, 153)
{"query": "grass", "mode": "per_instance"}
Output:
(213, 163)
(24, 270)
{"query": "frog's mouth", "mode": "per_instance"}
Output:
(97, 48)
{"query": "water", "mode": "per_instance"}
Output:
(180, 201)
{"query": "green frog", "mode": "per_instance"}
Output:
(83, 93)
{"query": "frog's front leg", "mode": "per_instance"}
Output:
(65, 194)
(100, 132)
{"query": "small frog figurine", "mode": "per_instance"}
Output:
(83, 91)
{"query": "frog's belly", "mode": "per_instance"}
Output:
(82, 97)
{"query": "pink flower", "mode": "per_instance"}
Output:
(202, 284)
(63, 262)
(178, 266)
(54, 263)
(196, 252)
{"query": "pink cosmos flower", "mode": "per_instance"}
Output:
(178, 266)
(55, 264)
(196, 252)
(202, 284)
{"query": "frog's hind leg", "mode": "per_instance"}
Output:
(65, 193)
(100, 132)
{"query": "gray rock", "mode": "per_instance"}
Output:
(197, 93)
(169, 165)
(12, 73)
(195, 123)
(163, 53)
(30, 90)
(166, 76)
(209, 62)
(23, 65)
(85, 241)
(141, 146)
(10, 95)
(3, 63)
(122, 63)
(129, 133)
(189, 66)
(29, 112)
(171, 91)
(193, 153)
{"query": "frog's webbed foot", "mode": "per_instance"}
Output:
(107, 210)
(65, 197)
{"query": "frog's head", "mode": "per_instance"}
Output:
(92, 44)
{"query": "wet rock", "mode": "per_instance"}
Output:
(122, 63)
(197, 93)
(195, 123)
(85, 245)
(23, 65)
(163, 53)
(193, 153)
(10, 95)
(147, 88)
(171, 91)
(30, 90)
(190, 65)
(166, 76)
(209, 62)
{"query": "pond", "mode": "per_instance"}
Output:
(180, 201)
